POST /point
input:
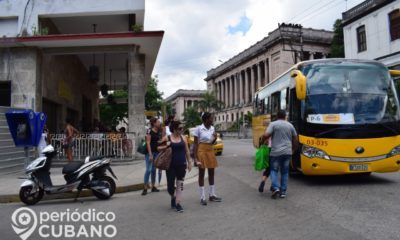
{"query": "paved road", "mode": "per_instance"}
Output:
(316, 207)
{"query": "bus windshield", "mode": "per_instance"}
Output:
(350, 93)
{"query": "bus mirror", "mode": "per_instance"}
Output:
(300, 84)
(394, 73)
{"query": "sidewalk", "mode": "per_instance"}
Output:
(130, 178)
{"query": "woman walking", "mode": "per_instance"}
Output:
(152, 139)
(204, 139)
(180, 161)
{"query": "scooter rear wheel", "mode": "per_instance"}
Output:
(30, 198)
(110, 182)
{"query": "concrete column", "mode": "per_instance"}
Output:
(267, 78)
(253, 82)
(237, 89)
(260, 81)
(246, 88)
(136, 91)
(226, 92)
(231, 92)
(241, 91)
(312, 55)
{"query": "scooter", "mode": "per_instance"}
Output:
(89, 174)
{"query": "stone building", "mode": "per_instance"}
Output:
(56, 55)
(182, 99)
(235, 81)
(372, 31)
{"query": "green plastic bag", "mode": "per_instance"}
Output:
(142, 148)
(262, 158)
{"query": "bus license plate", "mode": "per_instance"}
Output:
(358, 167)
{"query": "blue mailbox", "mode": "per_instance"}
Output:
(26, 127)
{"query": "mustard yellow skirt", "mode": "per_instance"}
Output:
(206, 156)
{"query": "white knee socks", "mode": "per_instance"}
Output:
(202, 193)
(212, 190)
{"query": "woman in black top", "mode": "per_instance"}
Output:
(152, 138)
(180, 161)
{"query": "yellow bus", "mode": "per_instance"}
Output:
(346, 113)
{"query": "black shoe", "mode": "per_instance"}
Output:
(179, 208)
(154, 189)
(275, 194)
(271, 189)
(261, 187)
(203, 202)
(282, 195)
(215, 199)
(173, 203)
(144, 192)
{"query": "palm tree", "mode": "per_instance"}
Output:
(209, 102)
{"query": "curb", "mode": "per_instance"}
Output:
(12, 198)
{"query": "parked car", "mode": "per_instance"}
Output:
(218, 145)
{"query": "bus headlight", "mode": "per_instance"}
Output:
(312, 152)
(395, 151)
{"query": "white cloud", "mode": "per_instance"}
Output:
(197, 37)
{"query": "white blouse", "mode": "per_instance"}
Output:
(203, 134)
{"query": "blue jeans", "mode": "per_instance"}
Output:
(150, 169)
(280, 163)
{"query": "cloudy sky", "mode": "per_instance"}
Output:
(200, 34)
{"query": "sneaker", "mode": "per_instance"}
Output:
(261, 187)
(275, 194)
(203, 202)
(179, 208)
(215, 199)
(154, 189)
(282, 195)
(144, 192)
(173, 203)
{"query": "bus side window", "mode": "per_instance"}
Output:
(266, 106)
(294, 110)
(275, 104)
(284, 95)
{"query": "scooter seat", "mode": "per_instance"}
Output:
(71, 167)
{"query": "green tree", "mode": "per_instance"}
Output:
(209, 102)
(111, 112)
(337, 47)
(153, 98)
(191, 117)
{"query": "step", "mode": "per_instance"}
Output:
(7, 161)
(4, 129)
(12, 168)
(16, 153)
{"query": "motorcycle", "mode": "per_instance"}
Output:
(87, 174)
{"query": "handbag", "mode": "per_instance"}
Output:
(163, 159)
(262, 158)
(142, 148)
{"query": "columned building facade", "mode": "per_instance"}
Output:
(236, 81)
(183, 99)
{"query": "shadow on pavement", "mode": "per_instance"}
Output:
(337, 180)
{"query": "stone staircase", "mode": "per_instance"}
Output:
(12, 159)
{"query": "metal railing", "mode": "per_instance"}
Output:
(120, 146)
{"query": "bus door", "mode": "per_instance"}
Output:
(294, 118)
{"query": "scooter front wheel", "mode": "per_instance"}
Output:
(29, 198)
(110, 183)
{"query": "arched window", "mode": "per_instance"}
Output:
(394, 24)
